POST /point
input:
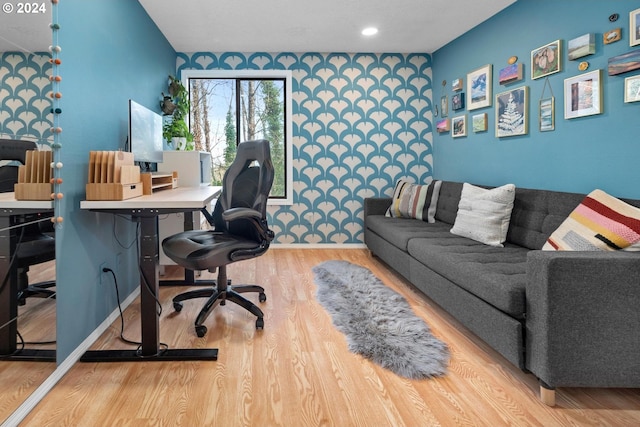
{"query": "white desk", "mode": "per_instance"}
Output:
(145, 210)
(11, 211)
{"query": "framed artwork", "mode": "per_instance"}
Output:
(546, 60)
(444, 106)
(442, 125)
(624, 63)
(479, 87)
(581, 46)
(456, 85)
(632, 89)
(634, 27)
(479, 122)
(509, 74)
(457, 101)
(583, 95)
(459, 126)
(512, 113)
(612, 36)
(546, 114)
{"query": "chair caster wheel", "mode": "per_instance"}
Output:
(260, 323)
(262, 297)
(201, 330)
(177, 306)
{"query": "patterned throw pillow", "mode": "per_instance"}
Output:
(600, 223)
(414, 200)
(484, 214)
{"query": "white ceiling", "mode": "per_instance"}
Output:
(286, 25)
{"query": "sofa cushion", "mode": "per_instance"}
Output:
(448, 201)
(416, 201)
(484, 214)
(398, 231)
(600, 222)
(496, 275)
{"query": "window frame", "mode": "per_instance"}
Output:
(287, 75)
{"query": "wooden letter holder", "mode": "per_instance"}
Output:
(34, 177)
(113, 176)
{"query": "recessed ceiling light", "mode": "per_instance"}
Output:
(369, 31)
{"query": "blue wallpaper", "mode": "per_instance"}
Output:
(24, 102)
(360, 122)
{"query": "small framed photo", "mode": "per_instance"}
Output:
(479, 122)
(632, 89)
(444, 106)
(510, 74)
(581, 46)
(624, 63)
(546, 59)
(479, 87)
(457, 101)
(512, 112)
(612, 36)
(546, 114)
(583, 95)
(459, 126)
(634, 27)
(456, 85)
(442, 125)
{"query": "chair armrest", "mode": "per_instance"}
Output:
(240, 213)
(376, 205)
(583, 318)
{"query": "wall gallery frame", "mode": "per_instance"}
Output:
(581, 46)
(546, 59)
(479, 85)
(583, 95)
(632, 89)
(479, 122)
(546, 114)
(512, 112)
(457, 101)
(442, 125)
(459, 126)
(634, 27)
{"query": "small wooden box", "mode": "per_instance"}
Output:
(113, 191)
(113, 176)
(33, 191)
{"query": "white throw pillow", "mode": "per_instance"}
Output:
(484, 215)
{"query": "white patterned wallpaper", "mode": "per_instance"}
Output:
(360, 122)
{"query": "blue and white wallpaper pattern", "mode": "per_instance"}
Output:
(360, 122)
(25, 105)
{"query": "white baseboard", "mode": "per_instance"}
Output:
(30, 402)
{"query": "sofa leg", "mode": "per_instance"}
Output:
(547, 394)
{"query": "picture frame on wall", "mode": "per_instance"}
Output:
(612, 36)
(632, 89)
(583, 95)
(624, 63)
(456, 85)
(459, 126)
(510, 74)
(512, 112)
(444, 106)
(479, 87)
(634, 27)
(581, 46)
(546, 60)
(479, 122)
(546, 114)
(442, 125)
(457, 101)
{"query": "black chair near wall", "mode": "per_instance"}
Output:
(240, 232)
(36, 239)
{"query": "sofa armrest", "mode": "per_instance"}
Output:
(376, 205)
(583, 318)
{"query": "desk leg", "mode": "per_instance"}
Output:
(8, 289)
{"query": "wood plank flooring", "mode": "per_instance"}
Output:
(299, 372)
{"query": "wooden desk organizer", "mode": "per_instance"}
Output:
(152, 182)
(113, 176)
(34, 177)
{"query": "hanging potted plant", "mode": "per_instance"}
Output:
(176, 105)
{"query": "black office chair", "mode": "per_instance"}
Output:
(240, 232)
(37, 242)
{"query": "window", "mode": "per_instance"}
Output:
(228, 107)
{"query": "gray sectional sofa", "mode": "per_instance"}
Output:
(570, 318)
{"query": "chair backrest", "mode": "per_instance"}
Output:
(12, 150)
(246, 184)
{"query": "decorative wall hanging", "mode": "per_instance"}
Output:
(546, 60)
(624, 63)
(479, 122)
(512, 115)
(459, 126)
(632, 89)
(457, 101)
(510, 74)
(612, 36)
(479, 87)
(443, 103)
(456, 85)
(581, 46)
(583, 66)
(442, 125)
(583, 95)
(547, 109)
(634, 27)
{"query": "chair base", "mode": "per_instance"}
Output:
(219, 295)
(39, 290)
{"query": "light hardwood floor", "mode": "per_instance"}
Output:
(298, 371)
